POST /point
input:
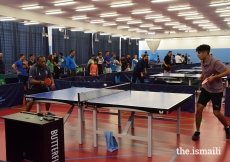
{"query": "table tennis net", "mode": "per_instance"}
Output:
(85, 96)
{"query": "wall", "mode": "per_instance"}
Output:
(220, 47)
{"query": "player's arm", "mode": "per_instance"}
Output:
(14, 67)
(223, 74)
(32, 78)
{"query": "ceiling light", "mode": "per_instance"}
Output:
(193, 18)
(7, 19)
(54, 12)
(136, 38)
(97, 21)
(114, 35)
(133, 29)
(80, 29)
(172, 23)
(224, 15)
(154, 17)
(227, 19)
(214, 29)
(80, 18)
(151, 33)
(179, 8)
(108, 15)
(219, 11)
(167, 32)
(85, 9)
(180, 26)
(58, 27)
(122, 5)
(155, 28)
(90, 31)
(141, 12)
(31, 7)
(201, 21)
(206, 24)
(105, 33)
(141, 31)
(31, 23)
(209, 27)
(122, 27)
(64, 3)
(109, 24)
(156, 1)
(185, 29)
(219, 4)
(162, 20)
(146, 25)
(187, 14)
(123, 19)
(191, 31)
(134, 22)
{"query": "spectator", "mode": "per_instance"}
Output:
(100, 61)
(123, 63)
(113, 62)
(56, 66)
(2, 64)
(107, 62)
(50, 63)
(90, 62)
(94, 69)
(62, 61)
(134, 62)
(70, 64)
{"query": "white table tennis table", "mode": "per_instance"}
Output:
(133, 101)
(189, 71)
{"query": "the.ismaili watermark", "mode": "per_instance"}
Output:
(193, 151)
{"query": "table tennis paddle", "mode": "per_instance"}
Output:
(47, 81)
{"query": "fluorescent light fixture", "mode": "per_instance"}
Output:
(80, 18)
(90, 31)
(224, 36)
(180, 26)
(157, 1)
(220, 11)
(141, 31)
(179, 8)
(146, 25)
(58, 27)
(155, 28)
(85, 9)
(109, 24)
(150, 33)
(105, 33)
(122, 5)
(108, 15)
(185, 29)
(32, 7)
(224, 15)
(54, 12)
(167, 32)
(7, 19)
(31, 23)
(122, 27)
(214, 29)
(201, 22)
(188, 14)
(64, 3)
(114, 35)
(134, 22)
(141, 12)
(162, 20)
(123, 19)
(136, 38)
(97, 21)
(172, 23)
(191, 31)
(133, 29)
(227, 19)
(206, 24)
(80, 29)
(209, 27)
(219, 4)
(154, 17)
(193, 18)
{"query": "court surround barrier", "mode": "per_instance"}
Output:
(227, 103)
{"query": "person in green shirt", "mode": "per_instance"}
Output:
(50, 63)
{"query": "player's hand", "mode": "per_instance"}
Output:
(142, 75)
(43, 83)
(19, 72)
(211, 78)
(52, 87)
(201, 77)
(70, 71)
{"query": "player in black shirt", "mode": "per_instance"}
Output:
(167, 62)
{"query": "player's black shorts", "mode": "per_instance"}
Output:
(166, 68)
(35, 91)
(216, 99)
(22, 79)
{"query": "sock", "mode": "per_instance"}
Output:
(198, 131)
(227, 127)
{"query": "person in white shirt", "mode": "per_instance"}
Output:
(100, 62)
(134, 62)
(118, 64)
(178, 59)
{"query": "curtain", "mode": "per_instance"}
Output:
(132, 49)
(78, 41)
(16, 39)
(103, 44)
(153, 45)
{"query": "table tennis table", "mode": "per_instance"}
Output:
(133, 101)
(197, 67)
(189, 71)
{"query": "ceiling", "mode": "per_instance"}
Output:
(148, 27)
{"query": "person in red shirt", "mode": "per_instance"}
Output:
(94, 69)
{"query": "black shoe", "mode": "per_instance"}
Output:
(196, 136)
(227, 130)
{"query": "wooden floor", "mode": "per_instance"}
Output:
(165, 140)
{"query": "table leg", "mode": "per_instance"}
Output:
(38, 107)
(190, 82)
(119, 118)
(83, 114)
(178, 120)
(150, 134)
(80, 127)
(95, 127)
(133, 120)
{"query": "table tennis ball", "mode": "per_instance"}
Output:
(105, 84)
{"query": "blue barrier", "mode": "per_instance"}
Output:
(11, 95)
(227, 102)
(187, 107)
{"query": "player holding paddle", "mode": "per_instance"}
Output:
(167, 62)
(40, 80)
(212, 89)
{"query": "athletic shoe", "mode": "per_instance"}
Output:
(196, 136)
(227, 130)
(49, 113)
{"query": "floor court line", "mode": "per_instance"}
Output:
(174, 157)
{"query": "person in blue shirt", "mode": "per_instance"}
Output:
(62, 61)
(70, 64)
(113, 63)
(140, 69)
(107, 62)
